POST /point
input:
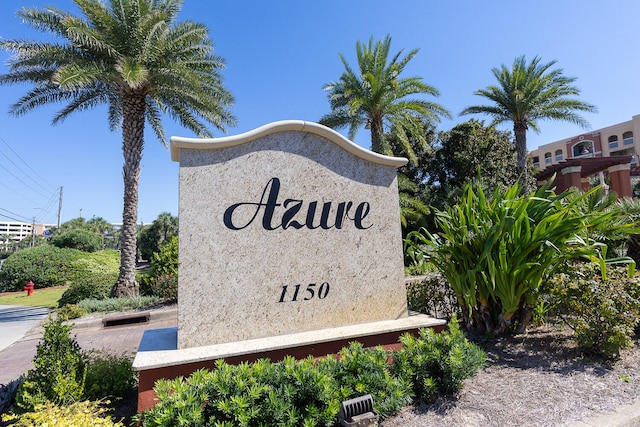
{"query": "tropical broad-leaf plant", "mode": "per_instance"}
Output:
(496, 251)
(375, 96)
(135, 58)
(527, 93)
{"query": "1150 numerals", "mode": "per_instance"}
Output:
(297, 293)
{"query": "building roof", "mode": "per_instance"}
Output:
(590, 165)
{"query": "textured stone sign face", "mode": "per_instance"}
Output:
(289, 228)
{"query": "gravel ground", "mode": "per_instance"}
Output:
(536, 379)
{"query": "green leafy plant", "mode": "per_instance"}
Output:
(109, 375)
(82, 240)
(308, 392)
(437, 363)
(166, 287)
(432, 295)
(71, 311)
(495, 252)
(360, 371)
(603, 310)
(77, 414)
(60, 369)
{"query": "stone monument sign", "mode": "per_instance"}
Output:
(288, 228)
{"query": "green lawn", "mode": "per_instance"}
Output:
(46, 298)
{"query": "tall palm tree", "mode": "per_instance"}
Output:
(526, 93)
(377, 98)
(134, 57)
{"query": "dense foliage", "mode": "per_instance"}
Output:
(77, 414)
(308, 393)
(60, 369)
(602, 309)
(78, 239)
(495, 252)
(92, 276)
(48, 266)
(162, 281)
(152, 237)
(64, 374)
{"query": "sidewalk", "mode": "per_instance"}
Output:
(16, 358)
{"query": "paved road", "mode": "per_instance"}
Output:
(16, 321)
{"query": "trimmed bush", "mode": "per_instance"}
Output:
(45, 265)
(92, 276)
(82, 240)
(309, 393)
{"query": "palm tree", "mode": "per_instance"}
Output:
(376, 97)
(527, 93)
(134, 57)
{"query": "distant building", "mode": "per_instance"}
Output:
(12, 232)
(609, 142)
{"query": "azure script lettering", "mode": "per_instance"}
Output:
(295, 213)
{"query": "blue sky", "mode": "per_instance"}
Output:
(279, 54)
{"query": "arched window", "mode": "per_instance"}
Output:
(559, 156)
(627, 138)
(613, 142)
(547, 158)
(584, 148)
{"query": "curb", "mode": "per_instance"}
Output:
(623, 416)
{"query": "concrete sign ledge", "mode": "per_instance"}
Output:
(158, 347)
(285, 125)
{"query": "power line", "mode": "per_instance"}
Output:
(33, 172)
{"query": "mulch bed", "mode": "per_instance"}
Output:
(539, 378)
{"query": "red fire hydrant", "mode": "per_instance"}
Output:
(29, 288)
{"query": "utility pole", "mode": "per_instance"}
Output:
(60, 207)
(33, 232)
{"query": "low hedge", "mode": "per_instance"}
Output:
(309, 392)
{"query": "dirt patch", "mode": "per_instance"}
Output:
(536, 379)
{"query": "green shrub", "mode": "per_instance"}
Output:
(71, 311)
(92, 276)
(496, 251)
(308, 392)
(60, 369)
(45, 265)
(165, 261)
(166, 287)
(361, 371)
(162, 280)
(437, 363)
(116, 304)
(603, 312)
(82, 240)
(78, 414)
(109, 376)
(433, 296)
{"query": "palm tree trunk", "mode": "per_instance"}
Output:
(132, 145)
(376, 135)
(520, 131)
